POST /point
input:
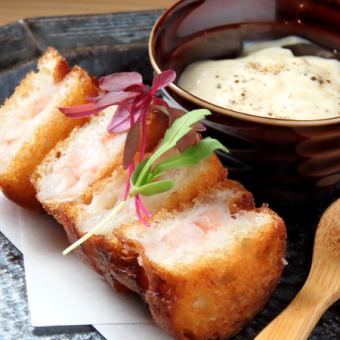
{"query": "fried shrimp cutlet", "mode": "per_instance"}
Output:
(89, 154)
(206, 269)
(31, 123)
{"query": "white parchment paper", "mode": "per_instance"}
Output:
(62, 290)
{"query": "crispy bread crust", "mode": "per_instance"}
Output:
(15, 180)
(53, 61)
(216, 299)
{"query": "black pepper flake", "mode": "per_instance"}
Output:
(217, 76)
(236, 81)
(313, 78)
(219, 86)
(270, 114)
(328, 81)
(243, 94)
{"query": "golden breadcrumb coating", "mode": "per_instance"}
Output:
(49, 126)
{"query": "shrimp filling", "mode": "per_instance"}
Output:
(206, 229)
(17, 126)
(89, 153)
(106, 196)
(110, 191)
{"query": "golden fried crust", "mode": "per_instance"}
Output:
(215, 299)
(15, 181)
(53, 60)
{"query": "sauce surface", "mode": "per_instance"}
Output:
(268, 80)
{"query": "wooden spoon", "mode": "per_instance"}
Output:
(321, 289)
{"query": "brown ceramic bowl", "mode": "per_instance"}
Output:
(282, 161)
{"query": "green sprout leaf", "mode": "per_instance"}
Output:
(178, 129)
(143, 179)
(153, 188)
(138, 170)
(182, 126)
(192, 155)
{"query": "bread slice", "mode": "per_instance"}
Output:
(80, 217)
(31, 124)
(208, 268)
(88, 155)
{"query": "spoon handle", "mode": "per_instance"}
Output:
(297, 321)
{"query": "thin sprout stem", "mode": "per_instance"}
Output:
(139, 213)
(131, 169)
(148, 164)
(95, 229)
(143, 208)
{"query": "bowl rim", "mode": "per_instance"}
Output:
(221, 110)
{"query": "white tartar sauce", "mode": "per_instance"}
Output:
(269, 81)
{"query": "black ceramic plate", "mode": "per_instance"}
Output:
(104, 44)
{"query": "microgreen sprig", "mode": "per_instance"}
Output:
(143, 179)
(134, 101)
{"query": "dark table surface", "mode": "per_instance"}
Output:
(103, 44)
